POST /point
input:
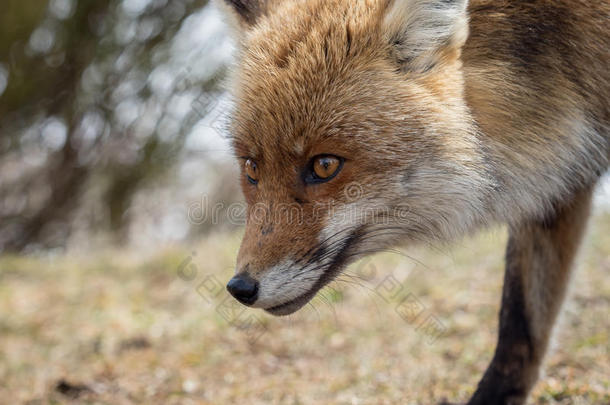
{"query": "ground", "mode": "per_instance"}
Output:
(411, 327)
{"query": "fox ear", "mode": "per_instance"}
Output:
(246, 11)
(424, 32)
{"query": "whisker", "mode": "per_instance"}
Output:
(330, 304)
(310, 304)
(370, 293)
(321, 244)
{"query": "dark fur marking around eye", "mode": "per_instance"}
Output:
(247, 9)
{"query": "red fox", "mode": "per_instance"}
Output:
(468, 113)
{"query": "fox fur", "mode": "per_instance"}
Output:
(450, 115)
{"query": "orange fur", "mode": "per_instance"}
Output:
(466, 113)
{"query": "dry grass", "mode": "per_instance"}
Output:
(113, 328)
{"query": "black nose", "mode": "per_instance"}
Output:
(244, 288)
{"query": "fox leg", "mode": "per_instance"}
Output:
(539, 258)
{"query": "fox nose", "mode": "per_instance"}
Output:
(244, 288)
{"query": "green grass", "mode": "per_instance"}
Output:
(119, 327)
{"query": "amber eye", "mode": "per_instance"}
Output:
(251, 171)
(324, 168)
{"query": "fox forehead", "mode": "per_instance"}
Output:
(297, 32)
(300, 80)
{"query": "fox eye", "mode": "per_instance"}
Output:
(251, 171)
(324, 168)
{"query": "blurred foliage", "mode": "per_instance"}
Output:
(89, 111)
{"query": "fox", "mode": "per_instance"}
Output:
(445, 117)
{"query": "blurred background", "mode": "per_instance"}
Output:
(120, 217)
(111, 121)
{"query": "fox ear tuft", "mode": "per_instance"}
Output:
(424, 32)
(246, 10)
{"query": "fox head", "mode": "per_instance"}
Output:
(353, 135)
